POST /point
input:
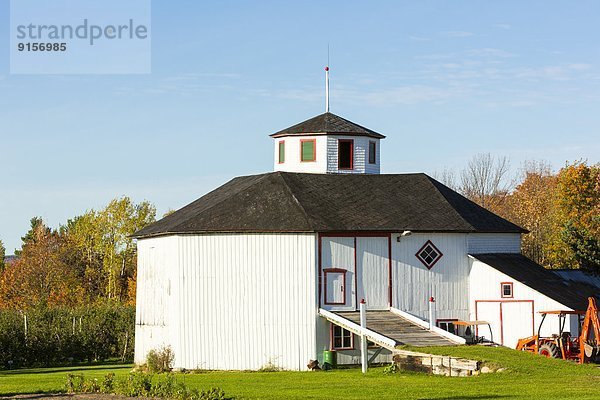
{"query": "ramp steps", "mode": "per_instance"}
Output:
(401, 330)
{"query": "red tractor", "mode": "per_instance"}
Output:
(584, 348)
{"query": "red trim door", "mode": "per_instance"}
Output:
(335, 286)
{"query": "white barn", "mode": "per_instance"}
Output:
(271, 268)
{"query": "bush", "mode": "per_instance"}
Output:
(74, 383)
(161, 360)
(139, 384)
(108, 383)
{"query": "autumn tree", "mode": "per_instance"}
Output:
(101, 247)
(35, 224)
(532, 206)
(2, 255)
(577, 244)
(39, 275)
(119, 220)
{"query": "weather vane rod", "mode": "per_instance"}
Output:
(327, 82)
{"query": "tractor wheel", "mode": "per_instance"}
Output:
(549, 350)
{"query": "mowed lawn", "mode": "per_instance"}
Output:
(528, 377)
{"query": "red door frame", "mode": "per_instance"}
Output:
(354, 235)
(501, 321)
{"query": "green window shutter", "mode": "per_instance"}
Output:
(308, 151)
(281, 152)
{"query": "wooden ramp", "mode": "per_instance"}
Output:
(385, 324)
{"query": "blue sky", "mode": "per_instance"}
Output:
(443, 80)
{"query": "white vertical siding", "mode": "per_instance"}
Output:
(157, 260)
(292, 155)
(338, 252)
(360, 156)
(479, 243)
(516, 321)
(373, 271)
(245, 300)
(447, 281)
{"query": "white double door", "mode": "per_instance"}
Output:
(355, 268)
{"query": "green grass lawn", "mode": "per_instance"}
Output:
(528, 377)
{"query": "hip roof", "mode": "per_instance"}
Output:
(299, 202)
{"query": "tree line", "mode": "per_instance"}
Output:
(88, 259)
(561, 210)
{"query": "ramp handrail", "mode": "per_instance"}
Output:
(353, 327)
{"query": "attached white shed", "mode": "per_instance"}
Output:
(510, 291)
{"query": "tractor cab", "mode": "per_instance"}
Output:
(563, 345)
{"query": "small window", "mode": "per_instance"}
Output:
(282, 152)
(345, 154)
(372, 152)
(447, 325)
(307, 150)
(342, 339)
(507, 289)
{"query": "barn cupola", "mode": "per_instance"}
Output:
(327, 144)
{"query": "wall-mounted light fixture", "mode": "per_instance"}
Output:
(403, 234)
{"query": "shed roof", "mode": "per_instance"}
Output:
(578, 275)
(297, 202)
(327, 123)
(572, 294)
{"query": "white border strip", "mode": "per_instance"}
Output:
(425, 325)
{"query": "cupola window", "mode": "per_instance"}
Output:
(345, 153)
(308, 150)
(281, 151)
(372, 152)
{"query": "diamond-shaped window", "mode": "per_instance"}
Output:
(429, 254)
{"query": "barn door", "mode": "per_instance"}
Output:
(373, 271)
(337, 273)
(510, 320)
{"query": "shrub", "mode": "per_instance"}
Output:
(74, 383)
(108, 383)
(270, 366)
(161, 360)
(138, 384)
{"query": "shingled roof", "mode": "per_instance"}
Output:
(569, 293)
(295, 202)
(327, 123)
